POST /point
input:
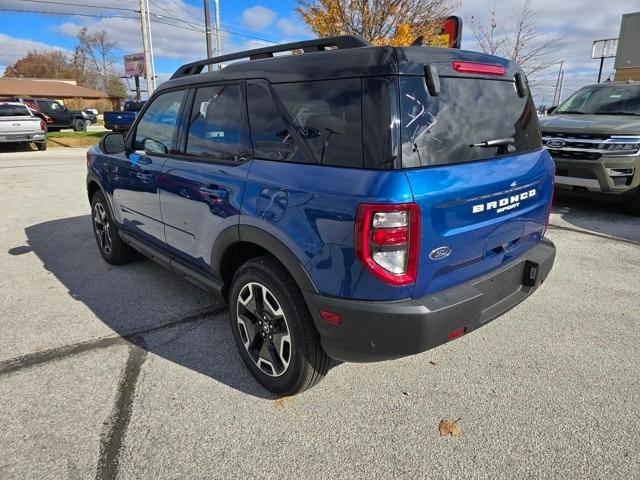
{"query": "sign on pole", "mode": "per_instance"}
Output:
(604, 48)
(134, 65)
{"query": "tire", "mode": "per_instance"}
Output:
(110, 245)
(293, 359)
(41, 146)
(79, 125)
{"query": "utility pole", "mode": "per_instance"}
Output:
(555, 93)
(561, 85)
(152, 61)
(145, 46)
(207, 29)
(218, 40)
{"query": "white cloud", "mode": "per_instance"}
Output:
(258, 17)
(581, 21)
(14, 48)
(292, 27)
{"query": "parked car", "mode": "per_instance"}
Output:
(62, 117)
(594, 139)
(19, 125)
(352, 202)
(32, 106)
(89, 116)
(122, 121)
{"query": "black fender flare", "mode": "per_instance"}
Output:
(261, 238)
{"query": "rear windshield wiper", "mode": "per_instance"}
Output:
(498, 142)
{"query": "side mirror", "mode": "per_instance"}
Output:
(552, 109)
(112, 143)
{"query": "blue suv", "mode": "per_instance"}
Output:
(350, 202)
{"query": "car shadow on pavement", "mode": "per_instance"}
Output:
(595, 215)
(140, 297)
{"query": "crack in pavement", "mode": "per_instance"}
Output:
(32, 359)
(111, 440)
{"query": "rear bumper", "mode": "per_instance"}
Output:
(22, 137)
(373, 331)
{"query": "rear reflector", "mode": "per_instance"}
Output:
(483, 68)
(331, 317)
(458, 332)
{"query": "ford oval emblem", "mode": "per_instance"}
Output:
(556, 143)
(440, 253)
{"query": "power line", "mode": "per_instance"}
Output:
(66, 4)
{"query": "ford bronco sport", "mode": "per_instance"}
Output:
(352, 202)
(594, 139)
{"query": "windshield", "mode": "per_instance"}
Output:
(604, 100)
(14, 111)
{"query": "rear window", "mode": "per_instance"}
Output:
(14, 111)
(452, 126)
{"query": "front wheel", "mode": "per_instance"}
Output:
(634, 204)
(273, 330)
(111, 246)
(79, 125)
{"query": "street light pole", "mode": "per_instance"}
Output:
(555, 93)
(218, 40)
(207, 29)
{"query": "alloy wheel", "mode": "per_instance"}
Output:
(102, 228)
(263, 329)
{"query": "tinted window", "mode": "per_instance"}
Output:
(14, 111)
(217, 128)
(451, 127)
(326, 115)
(270, 135)
(156, 129)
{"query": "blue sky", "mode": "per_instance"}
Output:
(249, 24)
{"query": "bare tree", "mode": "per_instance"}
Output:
(521, 39)
(94, 58)
(396, 22)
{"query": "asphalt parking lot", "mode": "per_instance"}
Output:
(131, 372)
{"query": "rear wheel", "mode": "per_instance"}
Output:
(273, 330)
(41, 145)
(111, 246)
(79, 125)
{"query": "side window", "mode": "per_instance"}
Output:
(55, 106)
(271, 138)
(328, 115)
(217, 128)
(156, 129)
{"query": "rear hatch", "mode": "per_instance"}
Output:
(472, 152)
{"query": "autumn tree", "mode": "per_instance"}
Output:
(380, 22)
(116, 88)
(518, 38)
(94, 58)
(42, 64)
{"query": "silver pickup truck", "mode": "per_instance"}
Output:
(19, 125)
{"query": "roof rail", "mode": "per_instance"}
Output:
(317, 45)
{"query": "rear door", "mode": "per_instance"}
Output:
(472, 154)
(135, 174)
(203, 184)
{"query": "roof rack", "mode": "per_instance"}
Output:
(317, 45)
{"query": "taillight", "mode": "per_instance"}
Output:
(43, 126)
(553, 193)
(387, 240)
(483, 68)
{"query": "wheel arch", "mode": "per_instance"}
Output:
(239, 243)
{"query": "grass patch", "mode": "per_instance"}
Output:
(73, 139)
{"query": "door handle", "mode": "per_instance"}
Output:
(213, 192)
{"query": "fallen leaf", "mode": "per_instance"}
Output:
(432, 362)
(449, 427)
